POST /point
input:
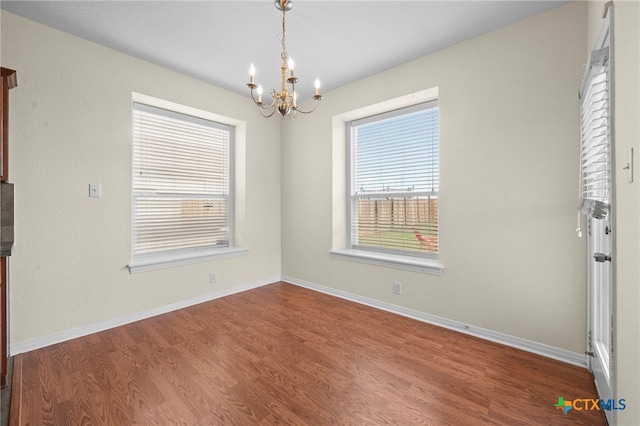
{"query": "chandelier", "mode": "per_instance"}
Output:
(284, 101)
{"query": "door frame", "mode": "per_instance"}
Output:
(606, 389)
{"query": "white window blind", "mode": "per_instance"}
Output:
(394, 180)
(595, 152)
(596, 137)
(181, 181)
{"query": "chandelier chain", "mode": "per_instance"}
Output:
(284, 55)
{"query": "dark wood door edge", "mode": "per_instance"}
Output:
(15, 416)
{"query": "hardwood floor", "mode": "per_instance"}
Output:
(281, 354)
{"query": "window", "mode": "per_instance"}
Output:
(182, 186)
(394, 181)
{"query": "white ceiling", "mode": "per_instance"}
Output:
(336, 41)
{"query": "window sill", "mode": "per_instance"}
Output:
(408, 263)
(170, 260)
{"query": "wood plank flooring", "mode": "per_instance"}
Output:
(285, 355)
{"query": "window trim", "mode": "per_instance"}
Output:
(422, 265)
(341, 249)
(172, 258)
(151, 262)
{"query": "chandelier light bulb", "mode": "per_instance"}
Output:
(317, 84)
(291, 64)
(252, 72)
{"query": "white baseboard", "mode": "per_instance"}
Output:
(483, 333)
(548, 351)
(51, 339)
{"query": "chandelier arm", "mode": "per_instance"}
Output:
(261, 109)
(271, 108)
(261, 105)
(317, 99)
(271, 105)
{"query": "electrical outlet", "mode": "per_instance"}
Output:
(212, 278)
(397, 288)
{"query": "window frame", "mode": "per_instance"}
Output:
(351, 177)
(184, 256)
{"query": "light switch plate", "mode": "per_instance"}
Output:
(95, 190)
(630, 165)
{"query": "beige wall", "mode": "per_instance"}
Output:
(509, 139)
(71, 125)
(626, 50)
(508, 194)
